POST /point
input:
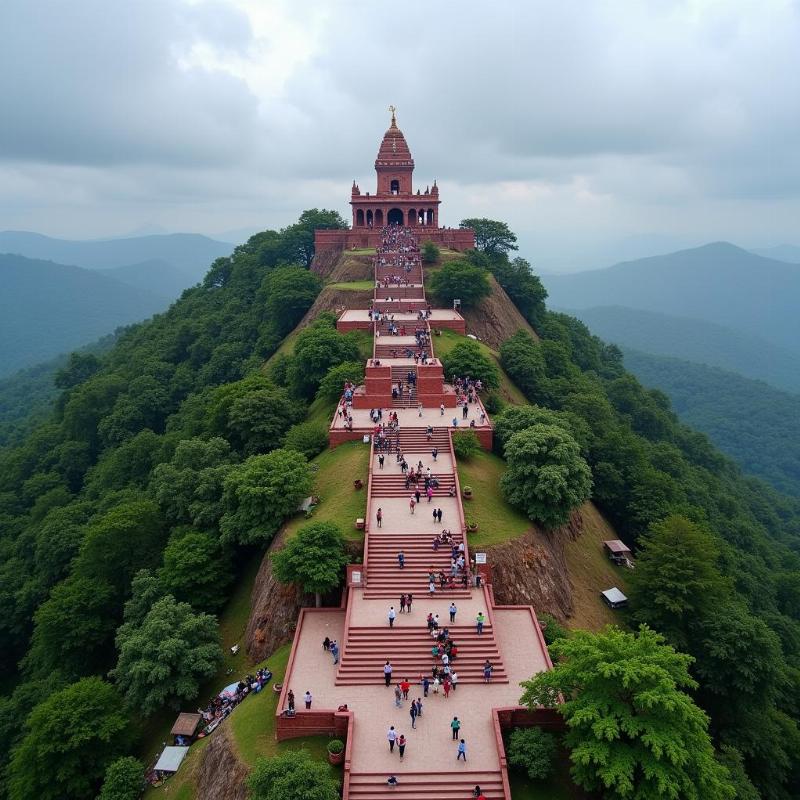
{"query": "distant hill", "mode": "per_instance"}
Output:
(781, 252)
(695, 340)
(753, 423)
(719, 283)
(191, 253)
(47, 309)
(157, 276)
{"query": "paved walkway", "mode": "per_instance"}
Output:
(511, 640)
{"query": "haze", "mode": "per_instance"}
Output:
(597, 131)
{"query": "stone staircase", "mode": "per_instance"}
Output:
(385, 579)
(415, 440)
(449, 784)
(394, 485)
(412, 290)
(408, 649)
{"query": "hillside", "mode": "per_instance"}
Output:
(695, 340)
(758, 426)
(47, 309)
(156, 488)
(718, 283)
(189, 252)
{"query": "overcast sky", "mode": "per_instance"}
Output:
(593, 128)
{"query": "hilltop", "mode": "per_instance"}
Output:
(719, 283)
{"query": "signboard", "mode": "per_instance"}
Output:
(355, 576)
(480, 558)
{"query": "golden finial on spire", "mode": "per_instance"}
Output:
(393, 109)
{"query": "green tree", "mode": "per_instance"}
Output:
(313, 559)
(491, 236)
(465, 444)
(459, 280)
(514, 419)
(70, 740)
(124, 780)
(189, 487)
(258, 420)
(293, 775)
(467, 358)
(164, 660)
(430, 252)
(308, 438)
(331, 386)
(546, 475)
(298, 239)
(317, 349)
(197, 570)
(632, 729)
(676, 579)
(289, 292)
(523, 360)
(127, 538)
(522, 286)
(261, 493)
(145, 590)
(73, 628)
(79, 368)
(532, 750)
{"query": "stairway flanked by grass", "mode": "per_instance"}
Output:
(430, 770)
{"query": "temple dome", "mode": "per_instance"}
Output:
(394, 148)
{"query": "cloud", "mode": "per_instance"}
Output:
(596, 120)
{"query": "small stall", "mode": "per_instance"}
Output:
(618, 552)
(185, 728)
(170, 760)
(614, 598)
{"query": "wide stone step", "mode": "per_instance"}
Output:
(451, 782)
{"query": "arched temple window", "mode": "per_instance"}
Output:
(430, 217)
(394, 187)
(369, 217)
(360, 218)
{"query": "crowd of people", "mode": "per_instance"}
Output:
(220, 706)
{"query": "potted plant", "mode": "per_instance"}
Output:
(358, 483)
(472, 526)
(336, 751)
(467, 492)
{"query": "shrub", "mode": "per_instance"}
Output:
(335, 746)
(430, 252)
(465, 444)
(467, 358)
(331, 386)
(462, 280)
(293, 775)
(532, 750)
(309, 438)
(552, 629)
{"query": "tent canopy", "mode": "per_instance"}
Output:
(171, 759)
(617, 547)
(186, 724)
(614, 597)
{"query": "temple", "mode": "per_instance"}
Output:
(418, 625)
(395, 202)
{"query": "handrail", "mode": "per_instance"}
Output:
(368, 512)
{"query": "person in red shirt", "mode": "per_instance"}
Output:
(404, 687)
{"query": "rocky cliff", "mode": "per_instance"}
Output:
(496, 318)
(533, 570)
(220, 774)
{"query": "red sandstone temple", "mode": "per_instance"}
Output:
(394, 203)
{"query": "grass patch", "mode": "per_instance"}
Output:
(497, 520)
(352, 286)
(333, 484)
(252, 728)
(509, 391)
(591, 572)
